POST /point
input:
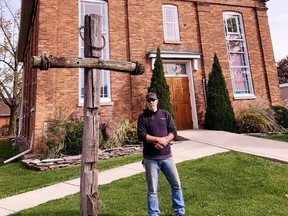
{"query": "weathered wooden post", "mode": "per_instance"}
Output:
(89, 203)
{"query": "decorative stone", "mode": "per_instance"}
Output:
(57, 163)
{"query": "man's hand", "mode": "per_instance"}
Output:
(162, 141)
(158, 146)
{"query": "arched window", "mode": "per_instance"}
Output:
(237, 54)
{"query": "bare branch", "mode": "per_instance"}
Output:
(8, 38)
(11, 13)
(7, 63)
(4, 89)
(6, 49)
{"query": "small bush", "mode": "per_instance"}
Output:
(65, 137)
(125, 134)
(281, 115)
(249, 122)
(52, 140)
(131, 134)
(73, 138)
(254, 120)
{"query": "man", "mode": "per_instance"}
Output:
(156, 130)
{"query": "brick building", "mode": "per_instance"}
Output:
(188, 33)
(4, 114)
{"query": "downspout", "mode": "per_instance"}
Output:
(128, 53)
(22, 153)
(202, 62)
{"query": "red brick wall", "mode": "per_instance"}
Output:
(4, 120)
(57, 89)
(202, 30)
(136, 27)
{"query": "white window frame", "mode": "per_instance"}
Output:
(244, 55)
(106, 55)
(172, 35)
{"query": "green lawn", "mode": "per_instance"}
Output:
(15, 178)
(230, 184)
(282, 137)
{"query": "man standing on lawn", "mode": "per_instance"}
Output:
(156, 130)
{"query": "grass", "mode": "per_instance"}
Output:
(282, 137)
(230, 184)
(6, 150)
(28, 179)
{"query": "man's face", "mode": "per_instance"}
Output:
(152, 104)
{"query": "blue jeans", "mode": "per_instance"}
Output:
(169, 169)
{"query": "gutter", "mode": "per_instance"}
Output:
(22, 153)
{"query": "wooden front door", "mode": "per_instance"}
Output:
(180, 100)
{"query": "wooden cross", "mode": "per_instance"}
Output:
(89, 203)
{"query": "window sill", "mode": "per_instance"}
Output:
(80, 104)
(173, 42)
(245, 97)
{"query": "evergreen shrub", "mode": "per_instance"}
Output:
(159, 85)
(73, 138)
(219, 112)
(281, 115)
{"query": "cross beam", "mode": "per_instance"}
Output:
(44, 62)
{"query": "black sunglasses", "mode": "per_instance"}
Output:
(150, 99)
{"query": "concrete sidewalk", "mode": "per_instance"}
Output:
(274, 150)
(200, 143)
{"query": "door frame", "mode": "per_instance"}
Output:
(189, 70)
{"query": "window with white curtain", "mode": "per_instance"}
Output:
(170, 23)
(237, 54)
(98, 7)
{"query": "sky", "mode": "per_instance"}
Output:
(278, 22)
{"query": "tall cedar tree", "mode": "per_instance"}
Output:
(159, 85)
(219, 113)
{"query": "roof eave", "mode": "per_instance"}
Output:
(27, 11)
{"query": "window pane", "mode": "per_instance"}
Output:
(169, 14)
(174, 68)
(234, 37)
(235, 46)
(240, 80)
(171, 34)
(232, 25)
(236, 60)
